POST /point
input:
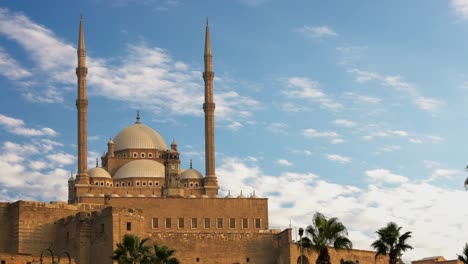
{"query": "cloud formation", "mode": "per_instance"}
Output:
(317, 32)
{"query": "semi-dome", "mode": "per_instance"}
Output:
(191, 174)
(140, 169)
(139, 136)
(98, 172)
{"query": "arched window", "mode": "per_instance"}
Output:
(97, 183)
(102, 183)
(117, 184)
(150, 155)
(143, 183)
(135, 155)
(191, 184)
(142, 155)
(124, 155)
(138, 183)
(196, 184)
(118, 155)
(156, 183)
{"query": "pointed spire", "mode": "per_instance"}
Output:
(207, 40)
(190, 163)
(138, 117)
(81, 40)
(97, 162)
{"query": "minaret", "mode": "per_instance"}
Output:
(211, 182)
(82, 107)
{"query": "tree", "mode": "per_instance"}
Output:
(163, 255)
(464, 257)
(132, 250)
(391, 243)
(324, 233)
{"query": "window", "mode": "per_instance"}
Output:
(245, 223)
(196, 184)
(111, 184)
(219, 223)
(181, 222)
(247, 260)
(129, 226)
(124, 155)
(257, 223)
(97, 183)
(185, 184)
(102, 228)
(232, 223)
(194, 223)
(135, 155)
(168, 223)
(102, 183)
(150, 183)
(143, 183)
(198, 259)
(118, 155)
(156, 183)
(129, 184)
(137, 183)
(117, 185)
(68, 236)
(155, 223)
(191, 184)
(107, 184)
(150, 155)
(142, 154)
(207, 223)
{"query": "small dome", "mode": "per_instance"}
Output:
(191, 174)
(115, 195)
(241, 196)
(139, 136)
(153, 195)
(128, 195)
(89, 195)
(101, 195)
(71, 179)
(229, 196)
(98, 172)
(204, 196)
(191, 196)
(140, 195)
(217, 196)
(140, 168)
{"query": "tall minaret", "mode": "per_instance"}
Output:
(82, 107)
(211, 182)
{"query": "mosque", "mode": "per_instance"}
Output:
(141, 189)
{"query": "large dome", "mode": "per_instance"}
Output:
(139, 136)
(140, 169)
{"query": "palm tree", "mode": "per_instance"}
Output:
(163, 255)
(464, 257)
(132, 250)
(324, 233)
(391, 243)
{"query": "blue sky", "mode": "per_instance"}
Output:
(355, 109)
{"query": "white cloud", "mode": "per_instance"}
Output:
(235, 126)
(344, 123)
(416, 206)
(461, 7)
(278, 128)
(10, 68)
(337, 141)
(380, 176)
(61, 159)
(386, 133)
(415, 141)
(305, 88)
(17, 126)
(435, 139)
(429, 104)
(390, 148)
(312, 133)
(317, 32)
(338, 158)
(141, 76)
(284, 162)
(396, 82)
(364, 98)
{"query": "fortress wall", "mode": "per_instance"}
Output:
(8, 218)
(199, 208)
(37, 224)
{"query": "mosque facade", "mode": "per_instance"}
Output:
(141, 189)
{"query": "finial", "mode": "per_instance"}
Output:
(190, 163)
(207, 21)
(229, 192)
(97, 162)
(207, 40)
(138, 117)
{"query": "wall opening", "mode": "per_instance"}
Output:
(129, 226)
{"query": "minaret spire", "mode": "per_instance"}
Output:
(82, 107)
(211, 182)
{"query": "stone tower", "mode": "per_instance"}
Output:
(210, 182)
(82, 107)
